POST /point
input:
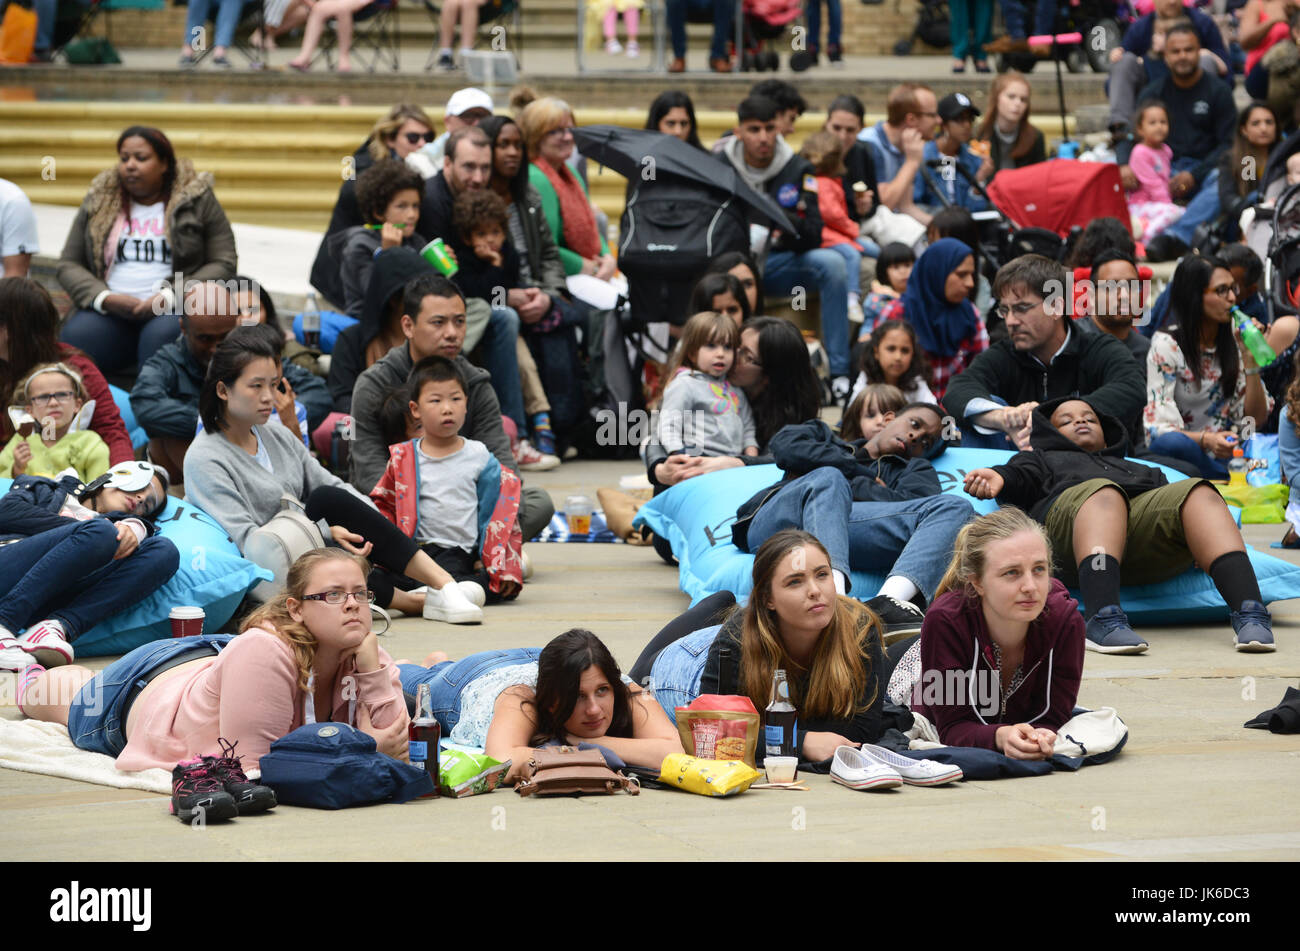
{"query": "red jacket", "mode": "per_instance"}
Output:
(960, 686)
(397, 496)
(837, 226)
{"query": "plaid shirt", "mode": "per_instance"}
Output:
(943, 369)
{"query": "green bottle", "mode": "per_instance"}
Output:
(1253, 339)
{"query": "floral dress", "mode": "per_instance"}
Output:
(1176, 402)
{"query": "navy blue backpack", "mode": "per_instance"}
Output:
(334, 766)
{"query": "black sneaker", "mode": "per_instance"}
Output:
(249, 796)
(196, 792)
(898, 618)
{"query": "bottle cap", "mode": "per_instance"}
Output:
(1238, 453)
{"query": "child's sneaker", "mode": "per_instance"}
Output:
(473, 592)
(1253, 626)
(633, 49)
(26, 677)
(250, 797)
(445, 63)
(12, 655)
(613, 47)
(197, 792)
(47, 642)
(449, 604)
(855, 313)
(530, 460)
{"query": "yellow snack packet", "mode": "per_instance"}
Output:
(706, 777)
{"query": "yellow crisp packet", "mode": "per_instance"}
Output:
(706, 777)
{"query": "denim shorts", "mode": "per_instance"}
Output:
(95, 720)
(447, 680)
(677, 670)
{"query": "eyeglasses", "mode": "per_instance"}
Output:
(1020, 309)
(1224, 290)
(45, 399)
(415, 138)
(340, 597)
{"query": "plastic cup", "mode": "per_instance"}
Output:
(577, 509)
(781, 769)
(187, 620)
(435, 252)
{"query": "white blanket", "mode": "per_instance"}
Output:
(34, 747)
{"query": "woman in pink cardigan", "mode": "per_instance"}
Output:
(298, 659)
(839, 232)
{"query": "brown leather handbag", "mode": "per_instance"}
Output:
(568, 771)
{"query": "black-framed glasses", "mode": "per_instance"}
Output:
(45, 399)
(1224, 290)
(341, 597)
(1019, 309)
(415, 138)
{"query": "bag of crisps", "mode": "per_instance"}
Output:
(462, 774)
(720, 727)
(707, 777)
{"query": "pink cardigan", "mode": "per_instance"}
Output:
(247, 693)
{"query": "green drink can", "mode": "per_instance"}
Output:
(435, 252)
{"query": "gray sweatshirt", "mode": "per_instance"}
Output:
(232, 487)
(705, 417)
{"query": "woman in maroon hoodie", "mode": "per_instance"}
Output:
(1002, 644)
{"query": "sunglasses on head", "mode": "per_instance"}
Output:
(415, 138)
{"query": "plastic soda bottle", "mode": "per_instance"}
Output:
(311, 322)
(1253, 339)
(1237, 467)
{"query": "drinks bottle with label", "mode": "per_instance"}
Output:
(1237, 467)
(423, 736)
(311, 322)
(1253, 339)
(780, 720)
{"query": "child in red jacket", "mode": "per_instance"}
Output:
(839, 232)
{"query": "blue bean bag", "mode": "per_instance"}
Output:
(695, 517)
(139, 438)
(212, 575)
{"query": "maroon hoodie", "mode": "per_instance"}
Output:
(960, 687)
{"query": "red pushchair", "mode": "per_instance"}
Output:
(1059, 195)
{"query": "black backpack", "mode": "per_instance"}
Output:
(671, 228)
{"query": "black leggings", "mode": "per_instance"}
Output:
(391, 549)
(712, 610)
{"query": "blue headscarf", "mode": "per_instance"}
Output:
(940, 326)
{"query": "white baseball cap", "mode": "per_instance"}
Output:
(463, 100)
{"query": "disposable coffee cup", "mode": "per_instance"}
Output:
(187, 620)
(781, 769)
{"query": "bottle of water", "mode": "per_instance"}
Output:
(311, 322)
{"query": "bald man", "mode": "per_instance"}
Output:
(166, 394)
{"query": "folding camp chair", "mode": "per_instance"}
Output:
(93, 10)
(375, 37)
(251, 17)
(491, 13)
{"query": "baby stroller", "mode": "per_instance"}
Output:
(765, 20)
(1101, 22)
(1282, 265)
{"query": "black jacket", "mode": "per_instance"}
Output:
(802, 447)
(796, 183)
(33, 504)
(1035, 479)
(859, 166)
(1097, 366)
(478, 278)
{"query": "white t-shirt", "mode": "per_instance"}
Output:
(448, 503)
(143, 258)
(17, 222)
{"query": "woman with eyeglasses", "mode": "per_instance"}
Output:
(238, 469)
(1202, 384)
(308, 656)
(73, 554)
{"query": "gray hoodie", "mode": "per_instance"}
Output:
(704, 416)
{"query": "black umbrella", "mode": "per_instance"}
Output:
(626, 150)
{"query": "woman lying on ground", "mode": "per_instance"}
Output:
(507, 702)
(307, 656)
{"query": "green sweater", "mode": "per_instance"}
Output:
(551, 209)
(84, 451)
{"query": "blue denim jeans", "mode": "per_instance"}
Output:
(95, 720)
(68, 574)
(834, 22)
(852, 266)
(1185, 449)
(677, 670)
(500, 358)
(911, 539)
(1013, 15)
(447, 680)
(1203, 207)
(724, 14)
(114, 343)
(820, 270)
(227, 17)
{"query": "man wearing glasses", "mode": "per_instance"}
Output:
(1041, 358)
(898, 143)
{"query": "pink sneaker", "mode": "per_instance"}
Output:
(47, 642)
(26, 677)
(531, 460)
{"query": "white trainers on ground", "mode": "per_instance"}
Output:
(473, 592)
(853, 769)
(527, 563)
(47, 642)
(531, 460)
(915, 772)
(450, 604)
(613, 47)
(12, 656)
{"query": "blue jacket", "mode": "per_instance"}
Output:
(33, 504)
(958, 190)
(1137, 38)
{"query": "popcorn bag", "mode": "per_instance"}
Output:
(718, 727)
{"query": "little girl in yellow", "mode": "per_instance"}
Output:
(54, 400)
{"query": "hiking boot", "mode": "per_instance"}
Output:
(250, 797)
(197, 792)
(1253, 626)
(530, 460)
(47, 642)
(1108, 632)
(898, 618)
(450, 604)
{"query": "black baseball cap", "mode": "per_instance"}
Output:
(954, 104)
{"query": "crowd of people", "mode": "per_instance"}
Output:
(452, 388)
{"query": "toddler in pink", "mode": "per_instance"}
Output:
(1150, 204)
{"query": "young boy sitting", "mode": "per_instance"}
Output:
(480, 218)
(388, 196)
(450, 494)
(1112, 521)
(53, 401)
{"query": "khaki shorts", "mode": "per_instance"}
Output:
(1155, 548)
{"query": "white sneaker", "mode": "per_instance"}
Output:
(851, 768)
(12, 656)
(633, 49)
(527, 563)
(855, 313)
(531, 460)
(450, 604)
(473, 592)
(915, 772)
(46, 641)
(613, 47)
